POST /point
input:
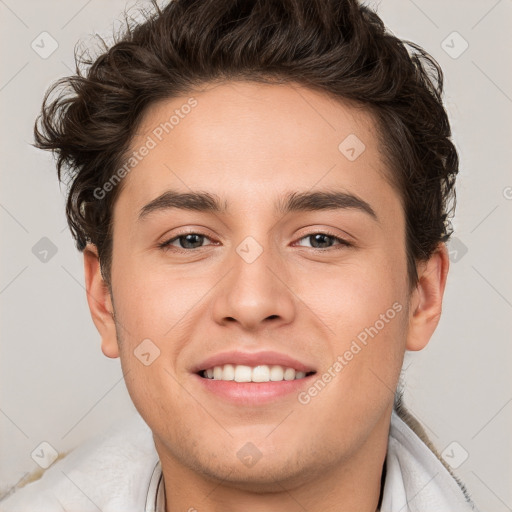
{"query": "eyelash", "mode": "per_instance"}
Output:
(166, 246)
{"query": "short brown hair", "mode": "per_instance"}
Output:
(336, 46)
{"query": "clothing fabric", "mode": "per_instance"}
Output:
(119, 471)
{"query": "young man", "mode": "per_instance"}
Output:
(261, 192)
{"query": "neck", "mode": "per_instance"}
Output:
(353, 483)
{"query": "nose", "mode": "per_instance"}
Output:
(255, 293)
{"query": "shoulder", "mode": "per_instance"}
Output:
(109, 472)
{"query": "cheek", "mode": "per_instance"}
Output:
(151, 308)
(352, 297)
(363, 367)
(364, 307)
(151, 301)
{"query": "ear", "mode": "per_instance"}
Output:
(100, 302)
(427, 299)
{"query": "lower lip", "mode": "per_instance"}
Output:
(253, 393)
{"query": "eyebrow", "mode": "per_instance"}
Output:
(291, 202)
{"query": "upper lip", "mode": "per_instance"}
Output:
(266, 357)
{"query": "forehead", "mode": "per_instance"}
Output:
(244, 140)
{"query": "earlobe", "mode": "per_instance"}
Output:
(100, 302)
(427, 299)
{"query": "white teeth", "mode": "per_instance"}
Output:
(276, 373)
(244, 373)
(261, 374)
(228, 373)
(289, 374)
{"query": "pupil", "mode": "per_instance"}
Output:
(186, 240)
(317, 237)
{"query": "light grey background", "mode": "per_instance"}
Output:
(56, 385)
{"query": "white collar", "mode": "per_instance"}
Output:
(155, 501)
(416, 480)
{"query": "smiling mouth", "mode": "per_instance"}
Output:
(260, 373)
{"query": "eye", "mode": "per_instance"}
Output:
(190, 241)
(186, 241)
(321, 239)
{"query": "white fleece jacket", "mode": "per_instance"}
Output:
(119, 471)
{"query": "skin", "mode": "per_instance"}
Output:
(250, 144)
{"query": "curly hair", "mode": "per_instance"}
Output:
(339, 47)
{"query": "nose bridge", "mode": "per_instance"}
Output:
(255, 289)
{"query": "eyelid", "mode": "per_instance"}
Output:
(345, 237)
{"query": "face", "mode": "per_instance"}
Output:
(267, 274)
